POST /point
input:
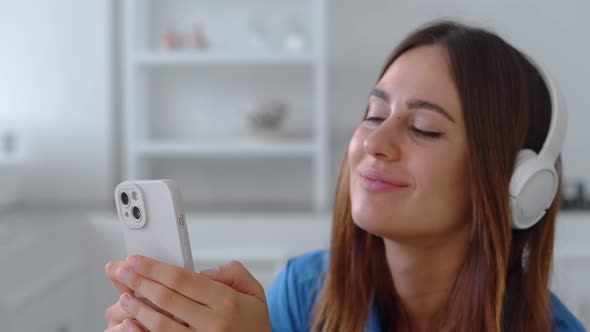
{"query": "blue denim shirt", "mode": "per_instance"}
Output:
(294, 291)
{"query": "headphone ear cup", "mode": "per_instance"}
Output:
(523, 156)
(517, 182)
(532, 189)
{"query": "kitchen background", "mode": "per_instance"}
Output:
(249, 105)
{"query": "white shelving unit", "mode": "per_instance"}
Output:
(164, 149)
(147, 135)
(178, 59)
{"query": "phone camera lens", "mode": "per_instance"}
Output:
(125, 198)
(136, 213)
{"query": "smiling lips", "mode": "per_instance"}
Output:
(374, 180)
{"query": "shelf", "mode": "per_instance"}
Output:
(163, 58)
(227, 149)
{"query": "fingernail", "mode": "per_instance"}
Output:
(108, 267)
(125, 299)
(210, 272)
(124, 274)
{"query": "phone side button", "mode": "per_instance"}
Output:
(181, 220)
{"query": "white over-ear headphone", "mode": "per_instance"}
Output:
(534, 181)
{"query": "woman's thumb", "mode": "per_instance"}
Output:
(236, 276)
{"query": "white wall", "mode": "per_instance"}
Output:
(54, 84)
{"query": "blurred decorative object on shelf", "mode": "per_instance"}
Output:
(573, 196)
(177, 39)
(172, 38)
(11, 144)
(8, 143)
(12, 167)
(198, 38)
(267, 115)
(295, 39)
(258, 35)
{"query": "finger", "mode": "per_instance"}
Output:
(111, 271)
(148, 317)
(166, 299)
(160, 310)
(115, 315)
(126, 326)
(235, 275)
(193, 285)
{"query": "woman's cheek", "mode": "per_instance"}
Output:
(448, 171)
(430, 169)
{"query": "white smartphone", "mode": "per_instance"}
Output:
(155, 224)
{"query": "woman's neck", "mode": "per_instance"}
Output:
(424, 273)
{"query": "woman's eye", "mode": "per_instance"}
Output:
(423, 133)
(374, 119)
(427, 134)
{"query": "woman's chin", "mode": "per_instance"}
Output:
(385, 227)
(372, 223)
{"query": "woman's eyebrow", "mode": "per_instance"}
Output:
(379, 94)
(415, 103)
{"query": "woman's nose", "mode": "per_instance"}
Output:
(383, 142)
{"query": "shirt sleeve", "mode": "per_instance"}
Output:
(283, 301)
(292, 295)
(563, 319)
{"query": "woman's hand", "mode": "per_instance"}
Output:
(228, 298)
(117, 318)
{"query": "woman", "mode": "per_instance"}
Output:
(422, 237)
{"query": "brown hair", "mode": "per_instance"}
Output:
(503, 282)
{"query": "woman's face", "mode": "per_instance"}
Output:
(408, 157)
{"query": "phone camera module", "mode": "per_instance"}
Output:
(125, 198)
(136, 213)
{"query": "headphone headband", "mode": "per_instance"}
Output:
(557, 128)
